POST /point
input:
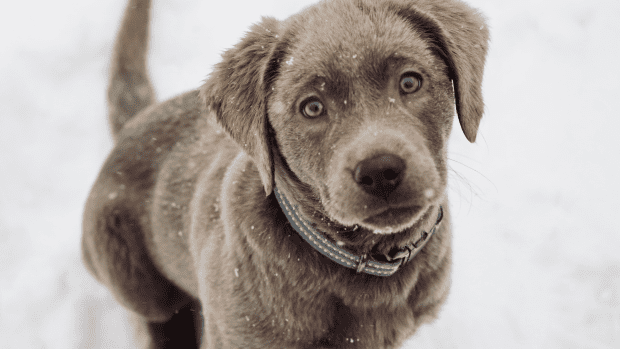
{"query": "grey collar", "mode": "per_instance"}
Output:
(361, 263)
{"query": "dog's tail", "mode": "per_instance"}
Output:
(130, 89)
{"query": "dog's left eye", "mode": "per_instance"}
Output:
(410, 82)
(312, 108)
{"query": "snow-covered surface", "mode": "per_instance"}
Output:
(535, 200)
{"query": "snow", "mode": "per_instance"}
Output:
(534, 201)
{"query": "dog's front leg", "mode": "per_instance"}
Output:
(183, 330)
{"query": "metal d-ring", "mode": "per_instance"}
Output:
(362, 263)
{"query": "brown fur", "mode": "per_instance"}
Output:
(178, 225)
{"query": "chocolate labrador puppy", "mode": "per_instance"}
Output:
(298, 198)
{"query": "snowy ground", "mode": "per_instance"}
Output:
(535, 201)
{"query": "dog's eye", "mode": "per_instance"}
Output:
(312, 108)
(410, 82)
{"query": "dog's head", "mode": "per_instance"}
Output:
(353, 100)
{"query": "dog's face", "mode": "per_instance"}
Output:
(362, 109)
(357, 99)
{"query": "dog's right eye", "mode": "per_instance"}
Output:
(312, 108)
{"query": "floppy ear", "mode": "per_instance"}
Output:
(237, 91)
(460, 36)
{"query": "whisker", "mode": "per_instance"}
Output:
(475, 191)
(457, 188)
(473, 169)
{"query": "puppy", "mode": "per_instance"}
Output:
(298, 198)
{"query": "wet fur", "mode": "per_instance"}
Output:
(183, 227)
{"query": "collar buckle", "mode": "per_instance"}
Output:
(401, 255)
(406, 253)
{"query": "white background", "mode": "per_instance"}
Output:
(535, 201)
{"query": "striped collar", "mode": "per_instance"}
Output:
(361, 263)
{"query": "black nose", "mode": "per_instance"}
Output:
(380, 175)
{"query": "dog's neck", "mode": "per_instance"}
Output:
(380, 264)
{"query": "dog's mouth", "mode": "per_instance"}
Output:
(393, 219)
(382, 231)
